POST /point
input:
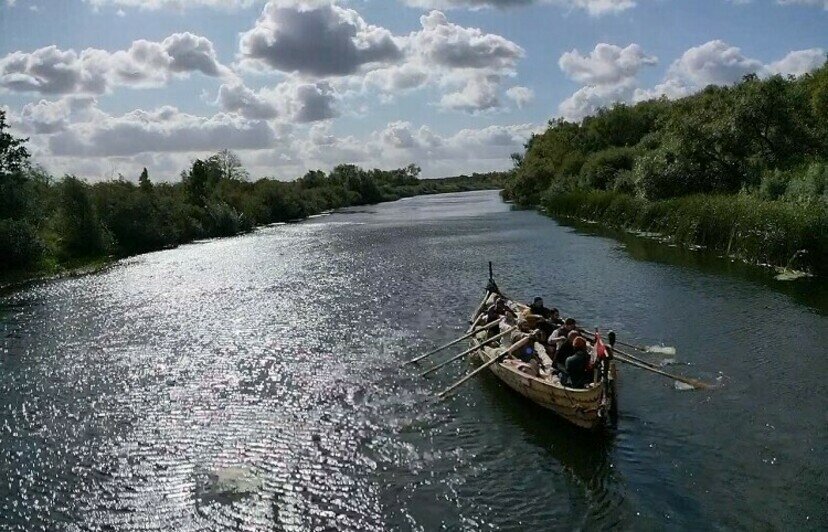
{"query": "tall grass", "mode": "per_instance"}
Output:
(780, 233)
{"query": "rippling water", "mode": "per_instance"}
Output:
(251, 383)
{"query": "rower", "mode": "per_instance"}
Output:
(562, 333)
(498, 309)
(537, 308)
(565, 350)
(555, 318)
(578, 374)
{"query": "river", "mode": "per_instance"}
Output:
(252, 383)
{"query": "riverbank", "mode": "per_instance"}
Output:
(775, 233)
(52, 267)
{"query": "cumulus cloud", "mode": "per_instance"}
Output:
(449, 45)
(467, 62)
(815, 3)
(713, 63)
(50, 70)
(609, 74)
(718, 63)
(178, 5)
(798, 62)
(321, 40)
(607, 64)
(165, 129)
(593, 7)
(315, 40)
(45, 117)
(479, 93)
(520, 95)
(293, 101)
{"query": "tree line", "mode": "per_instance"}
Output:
(719, 167)
(48, 223)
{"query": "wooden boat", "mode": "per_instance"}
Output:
(589, 408)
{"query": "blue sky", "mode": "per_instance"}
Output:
(104, 87)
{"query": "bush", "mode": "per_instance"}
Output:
(602, 168)
(20, 245)
(765, 232)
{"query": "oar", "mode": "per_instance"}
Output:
(627, 359)
(467, 335)
(649, 366)
(477, 311)
(636, 347)
(467, 351)
(517, 345)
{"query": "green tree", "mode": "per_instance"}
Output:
(144, 182)
(79, 227)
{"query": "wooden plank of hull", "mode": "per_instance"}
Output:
(578, 406)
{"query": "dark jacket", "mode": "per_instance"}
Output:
(577, 369)
(540, 310)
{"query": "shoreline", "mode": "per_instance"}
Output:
(788, 238)
(17, 280)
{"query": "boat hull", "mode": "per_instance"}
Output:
(587, 408)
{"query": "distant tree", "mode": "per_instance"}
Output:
(229, 165)
(144, 182)
(413, 171)
(14, 157)
(201, 179)
(79, 227)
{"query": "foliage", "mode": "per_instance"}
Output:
(43, 223)
(721, 140)
(757, 151)
(742, 225)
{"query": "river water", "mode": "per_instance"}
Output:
(252, 383)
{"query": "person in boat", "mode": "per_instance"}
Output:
(578, 373)
(562, 333)
(555, 318)
(565, 350)
(536, 307)
(497, 310)
(533, 356)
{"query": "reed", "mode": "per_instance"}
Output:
(779, 233)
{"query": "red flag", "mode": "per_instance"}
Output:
(600, 348)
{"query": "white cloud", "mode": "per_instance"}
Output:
(445, 44)
(587, 100)
(293, 101)
(593, 7)
(713, 63)
(327, 41)
(718, 63)
(479, 93)
(178, 5)
(815, 3)
(607, 64)
(165, 129)
(609, 73)
(522, 96)
(798, 62)
(468, 63)
(50, 70)
(315, 40)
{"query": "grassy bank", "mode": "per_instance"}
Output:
(779, 233)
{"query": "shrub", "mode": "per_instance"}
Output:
(20, 245)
